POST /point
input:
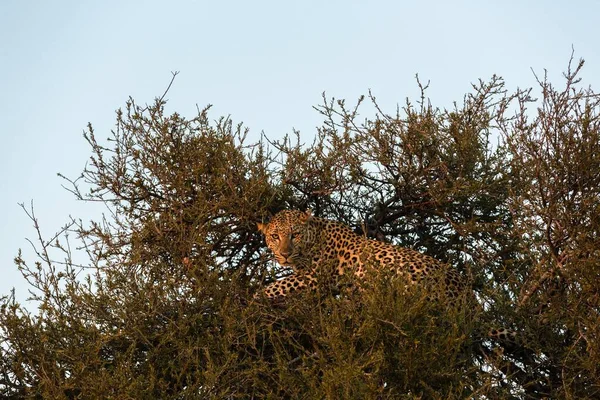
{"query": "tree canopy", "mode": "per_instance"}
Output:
(504, 187)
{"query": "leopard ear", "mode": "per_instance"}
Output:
(261, 227)
(306, 216)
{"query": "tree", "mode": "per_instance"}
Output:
(504, 187)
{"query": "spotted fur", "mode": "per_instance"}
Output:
(309, 245)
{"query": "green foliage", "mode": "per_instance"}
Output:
(503, 187)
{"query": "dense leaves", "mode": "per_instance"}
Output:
(504, 187)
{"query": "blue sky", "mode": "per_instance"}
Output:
(266, 63)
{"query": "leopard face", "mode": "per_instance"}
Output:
(286, 235)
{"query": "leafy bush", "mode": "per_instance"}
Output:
(504, 187)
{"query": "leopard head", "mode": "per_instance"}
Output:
(286, 235)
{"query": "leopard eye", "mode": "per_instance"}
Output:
(274, 236)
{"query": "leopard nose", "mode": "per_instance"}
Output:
(285, 254)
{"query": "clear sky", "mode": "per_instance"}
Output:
(266, 63)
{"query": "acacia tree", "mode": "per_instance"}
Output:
(503, 187)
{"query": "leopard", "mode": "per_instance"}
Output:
(314, 246)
